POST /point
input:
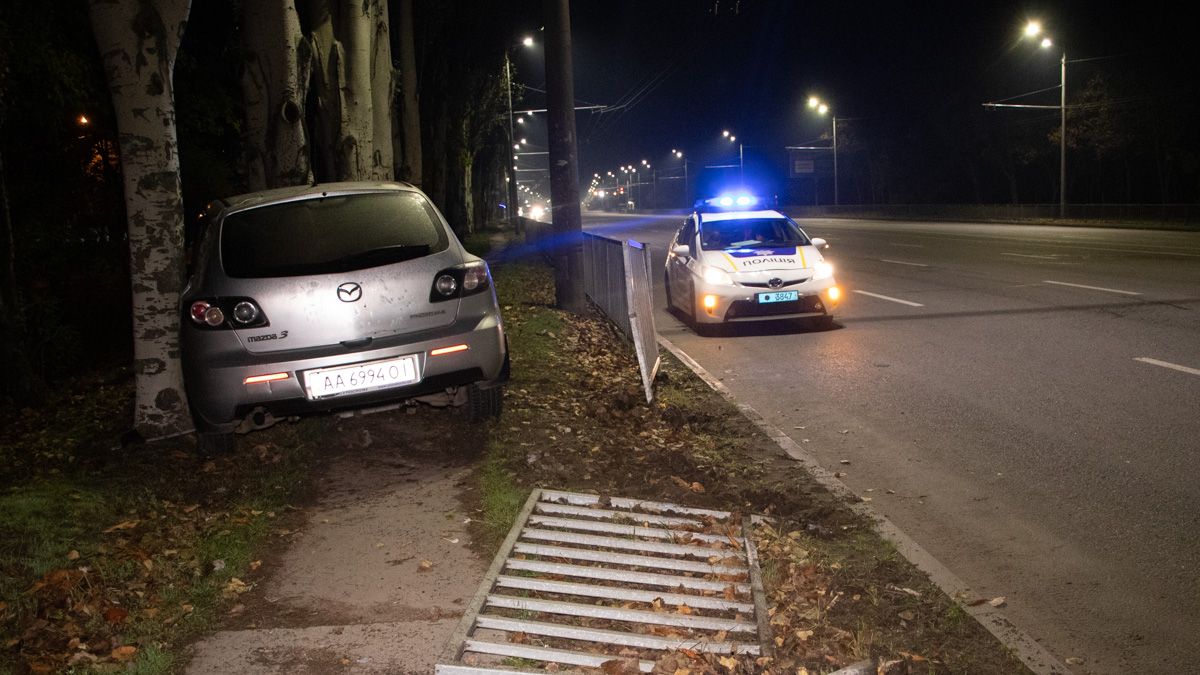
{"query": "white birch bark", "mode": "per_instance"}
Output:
(278, 62)
(383, 89)
(355, 32)
(138, 41)
(327, 83)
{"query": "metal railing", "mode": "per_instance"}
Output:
(616, 277)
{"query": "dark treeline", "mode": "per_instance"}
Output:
(64, 288)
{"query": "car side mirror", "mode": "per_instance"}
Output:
(681, 250)
(820, 243)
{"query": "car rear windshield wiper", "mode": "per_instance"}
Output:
(384, 255)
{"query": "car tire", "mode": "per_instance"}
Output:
(667, 285)
(484, 404)
(215, 444)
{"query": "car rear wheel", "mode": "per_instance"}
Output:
(667, 285)
(822, 322)
(484, 404)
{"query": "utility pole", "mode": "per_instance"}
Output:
(1062, 142)
(511, 209)
(564, 164)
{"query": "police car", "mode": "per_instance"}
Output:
(732, 262)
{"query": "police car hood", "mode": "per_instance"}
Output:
(754, 259)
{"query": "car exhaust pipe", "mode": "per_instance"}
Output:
(256, 419)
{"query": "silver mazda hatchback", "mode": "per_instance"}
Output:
(334, 296)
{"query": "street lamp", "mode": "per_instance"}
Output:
(822, 108)
(1032, 30)
(741, 160)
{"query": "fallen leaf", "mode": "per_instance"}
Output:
(115, 614)
(683, 609)
(729, 663)
(697, 487)
(907, 615)
(681, 482)
(124, 653)
(843, 461)
(148, 564)
(73, 555)
(255, 565)
(803, 635)
(425, 565)
(998, 601)
(123, 525)
(1074, 661)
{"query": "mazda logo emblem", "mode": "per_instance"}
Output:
(349, 292)
(775, 283)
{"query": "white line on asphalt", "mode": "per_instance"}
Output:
(890, 299)
(1091, 288)
(1026, 255)
(901, 262)
(1166, 364)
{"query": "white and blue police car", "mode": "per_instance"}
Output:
(732, 261)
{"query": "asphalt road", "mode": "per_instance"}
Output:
(1024, 401)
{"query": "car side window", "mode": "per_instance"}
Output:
(687, 235)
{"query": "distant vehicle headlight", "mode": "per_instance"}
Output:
(824, 270)
(713, 275)
(537, 212)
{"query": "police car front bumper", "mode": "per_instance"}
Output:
(722, 303)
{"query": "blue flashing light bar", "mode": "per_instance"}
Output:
(728, 201)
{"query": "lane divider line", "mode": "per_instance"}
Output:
(1168, 364)
(889, 298)
(1091, 288)
(1030, 651)
(901, 262)
(1027, 255)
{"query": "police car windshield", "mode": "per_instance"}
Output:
(750, 233)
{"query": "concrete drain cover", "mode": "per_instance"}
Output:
(584, 579)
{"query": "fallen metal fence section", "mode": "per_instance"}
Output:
(564, 588)
(617, 279)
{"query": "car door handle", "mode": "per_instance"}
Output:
(355, 344)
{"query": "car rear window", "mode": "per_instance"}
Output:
(326, 235)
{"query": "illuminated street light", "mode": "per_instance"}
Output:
(822, 108)
(725, 133)
(528, 41)
(83, 121)
(1033, 29)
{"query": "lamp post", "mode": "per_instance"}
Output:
(822, 108)
(1033, 29)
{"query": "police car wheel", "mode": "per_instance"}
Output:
(823, 322)
(667, 285)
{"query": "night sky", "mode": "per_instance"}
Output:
(684, 70)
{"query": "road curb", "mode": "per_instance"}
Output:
(1031, 653)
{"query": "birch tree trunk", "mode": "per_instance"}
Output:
(356, 144)
(277, 68)
(410, 108)
(138, 41)
(383, 93)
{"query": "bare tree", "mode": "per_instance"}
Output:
(139, 40)
(274, 84)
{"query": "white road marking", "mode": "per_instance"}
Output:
(1166, 364)
(889, 299)
(1091, 288)
(901, 262)
(1026, 255)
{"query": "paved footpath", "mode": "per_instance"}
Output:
(348, 594)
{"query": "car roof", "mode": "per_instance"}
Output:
(714, 216)
(287, 194)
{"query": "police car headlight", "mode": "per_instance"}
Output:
(713, 275)
(824, 270)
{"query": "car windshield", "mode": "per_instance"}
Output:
(332, 234)
(750, 233)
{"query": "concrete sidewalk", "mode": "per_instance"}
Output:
(349, 593)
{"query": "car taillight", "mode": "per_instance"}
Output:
(460, 281)
(227, 313)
